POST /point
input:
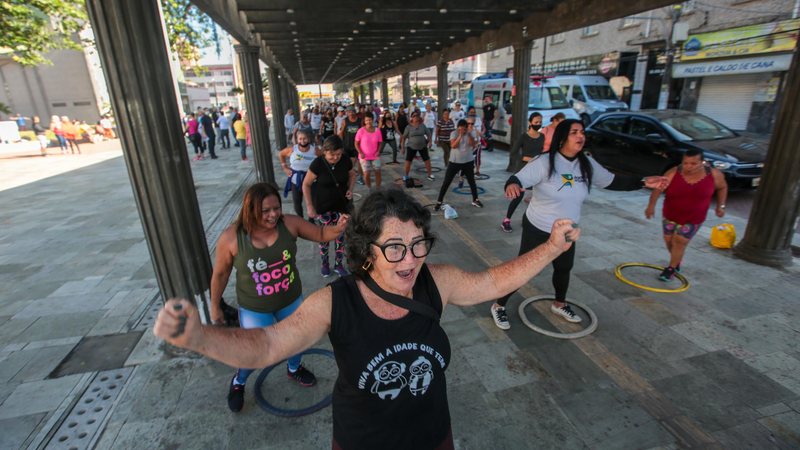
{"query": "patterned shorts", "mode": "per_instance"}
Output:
(687, 230)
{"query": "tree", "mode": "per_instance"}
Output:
(188, 30)
(34, 27)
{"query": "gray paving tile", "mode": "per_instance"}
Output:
(138, 435)
(701, 400)
(741, 382)
(57, 327)
(37, 397)
(785, 426)
(750, 436)
(42, 362)
(17, 430)
(485, 359)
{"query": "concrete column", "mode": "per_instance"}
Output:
(519, 113)
(406, 88)
(441, 87)
(361, 95)
(371, 92)
(254, 99)
(278, 110)
(295, 98)
(773, 219)
(385, 92)
(132, 48)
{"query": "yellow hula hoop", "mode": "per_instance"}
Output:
(618, 273)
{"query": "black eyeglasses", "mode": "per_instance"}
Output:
(395, 252)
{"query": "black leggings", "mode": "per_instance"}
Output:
(533, 237)
(452, 169)
(297, 199)
(514, 203)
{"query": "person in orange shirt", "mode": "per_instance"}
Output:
(72, 133)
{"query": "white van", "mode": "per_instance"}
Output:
(590, 95)
(545, 97)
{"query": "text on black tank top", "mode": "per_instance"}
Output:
(391, 391)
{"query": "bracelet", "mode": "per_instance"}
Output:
(722, 206)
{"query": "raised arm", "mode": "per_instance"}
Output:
(178, 323)
(463, 288)
(316, 233)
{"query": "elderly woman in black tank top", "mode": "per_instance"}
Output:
(383, 322)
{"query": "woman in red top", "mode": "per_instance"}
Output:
(688, 196)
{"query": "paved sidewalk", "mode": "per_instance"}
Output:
(715, 366)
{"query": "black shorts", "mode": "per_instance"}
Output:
(412, 152)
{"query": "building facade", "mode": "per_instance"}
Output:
(722, 79)
(219, 80)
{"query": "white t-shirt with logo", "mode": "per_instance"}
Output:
(316, 121)
(560, 196)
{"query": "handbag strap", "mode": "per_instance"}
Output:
(399, 300)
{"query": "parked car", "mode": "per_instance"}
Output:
(650, 142)
(590, 95)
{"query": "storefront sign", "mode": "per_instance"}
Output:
(742, 41)
(774, 63)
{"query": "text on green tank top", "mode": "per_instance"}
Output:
(267, 279)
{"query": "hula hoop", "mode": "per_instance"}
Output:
(465, 190)
(482, 176)
(577, 335)
(356, 197)
(434, 169)
(683, 280)
(268, 407)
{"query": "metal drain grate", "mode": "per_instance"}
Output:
(80, 429)
(149, 317)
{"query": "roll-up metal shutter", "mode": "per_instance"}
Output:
(728, 98)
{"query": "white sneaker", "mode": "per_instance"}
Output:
(500, 317)
(566, 313)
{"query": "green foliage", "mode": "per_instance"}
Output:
(237, 90)
(4, 108)
(188, 30)
(417, 91)
(31, 28)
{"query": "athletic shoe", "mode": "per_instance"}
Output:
(461, 182)
(566, 313)
(198, 157)
(302, 376)
(437, 207)
(431, 178)
(326, 270)
(477, 203)
(340, 270)
(667, 274)
(409, 182)
(500, 317)
(506, 226)
(360, 180)
(678, 268)
(236, 397)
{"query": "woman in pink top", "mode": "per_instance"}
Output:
(368, 142)
(194, 136)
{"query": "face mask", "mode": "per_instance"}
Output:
(536, 127)
(304, 146)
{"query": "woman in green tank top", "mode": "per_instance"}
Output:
(262, 246)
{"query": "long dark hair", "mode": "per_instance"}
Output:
(559, 139)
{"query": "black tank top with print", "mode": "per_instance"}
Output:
(391, 391)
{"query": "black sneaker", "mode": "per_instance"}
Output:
(437, 206)
(409, 182)
(302, 376)
(667, 274)
(477, 203)
(236, 397)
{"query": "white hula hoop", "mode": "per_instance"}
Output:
(577, 335)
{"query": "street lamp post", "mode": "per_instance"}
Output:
(666, 79)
